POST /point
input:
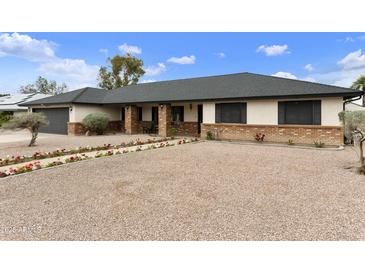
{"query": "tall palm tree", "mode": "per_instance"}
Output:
(359, 83)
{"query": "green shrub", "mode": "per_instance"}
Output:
(210, 135)
(172, 132)
(319, 144)
(96, 122)
(5, 116)
(259, 137)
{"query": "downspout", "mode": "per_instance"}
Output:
(344, 108)
(349, 101)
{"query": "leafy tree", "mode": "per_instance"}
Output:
(124, 70)
(4, 94)
(42, 85)
(96, 122)
(354, 126)
(30, 121)
(359, 83)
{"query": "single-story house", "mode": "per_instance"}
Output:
(234, 107)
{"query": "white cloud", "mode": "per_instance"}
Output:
(220, 54)
(273, 50)
(309, 67)
(343, 78)
(353, 60)
(72, 71)
(26, 47)
(349, 39)
(284, 74)
(289, 75)
(350, 68)
(130, 49)
(185, 60)
(148, 81)
(309, 79)
(104, 51)
(155, 70)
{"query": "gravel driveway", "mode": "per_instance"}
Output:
(202, 191)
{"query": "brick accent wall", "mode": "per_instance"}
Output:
(300, 134)
(164, 119)
(131, 120)
(187, 129)
(76, 129)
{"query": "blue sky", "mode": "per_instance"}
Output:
(74, 58)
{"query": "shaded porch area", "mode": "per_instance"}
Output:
(162, 119)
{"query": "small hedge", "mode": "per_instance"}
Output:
(5, 116)
(96, 122)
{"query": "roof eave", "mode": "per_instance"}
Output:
(344, 95)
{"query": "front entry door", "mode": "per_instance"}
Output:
(200, 117)
(155, 115)
(155, 119)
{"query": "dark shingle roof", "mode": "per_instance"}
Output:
(223, 87)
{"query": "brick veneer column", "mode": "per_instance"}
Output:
(164, 119)
(131, 123)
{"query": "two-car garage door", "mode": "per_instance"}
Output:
(58, 119)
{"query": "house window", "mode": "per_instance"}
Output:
(123, 114)
(300, 112)
(140, 113)
(177, 114)
(231, 113)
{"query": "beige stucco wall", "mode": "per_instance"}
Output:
(262, 112)
(330, 109)
(79, 112)
(265, 112)
(190, 115)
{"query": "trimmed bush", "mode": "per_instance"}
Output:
(5, 116)
(96, 122)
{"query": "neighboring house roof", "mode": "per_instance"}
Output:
(222, 87)
(11, 102)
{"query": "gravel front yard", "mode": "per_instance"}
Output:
(202, 191)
